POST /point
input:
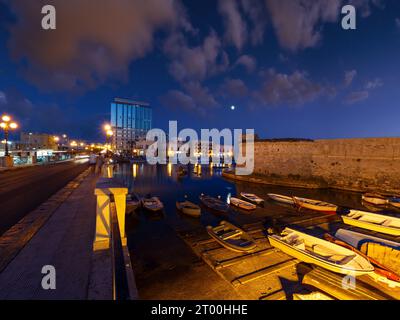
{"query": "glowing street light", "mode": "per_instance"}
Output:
(7, 125)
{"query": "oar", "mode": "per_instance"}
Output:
(379, 268)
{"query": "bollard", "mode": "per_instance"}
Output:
(105, 188)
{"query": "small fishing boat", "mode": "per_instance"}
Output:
(395, 202)
(374, 198)
(152, 204)
(215, 204)
(132, 203)
(242, 204)
(232, 237)
(316, 205)
(320, 252)
(252, 198)
(357, 239)
(281, 198)
(189, 208)
(372, 221)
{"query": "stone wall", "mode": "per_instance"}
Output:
(352, 164)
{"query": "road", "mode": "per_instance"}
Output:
(24, 189)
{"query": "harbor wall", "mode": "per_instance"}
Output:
(351, 164)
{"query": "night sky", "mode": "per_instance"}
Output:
(287, 65)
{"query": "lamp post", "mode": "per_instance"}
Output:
(109, 133)
(7, 124)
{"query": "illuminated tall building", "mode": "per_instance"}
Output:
(130, 120)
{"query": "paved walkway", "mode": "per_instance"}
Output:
(64, 242)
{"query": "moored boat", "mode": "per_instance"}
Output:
(395, 202)
(322, 253)
(357, 239)
(152, 204)
(316, 205)
(215, 204)
(133, 202)
(374, 198)
(232, 237)
(242, 204)
(252, 198)
(372, 221)
(281, 198)
(189, 208)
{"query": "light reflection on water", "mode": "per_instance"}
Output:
(163, 181)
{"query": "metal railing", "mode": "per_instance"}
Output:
(120, 279)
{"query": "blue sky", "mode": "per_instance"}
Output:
(287, 65)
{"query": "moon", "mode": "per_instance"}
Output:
(233, 108)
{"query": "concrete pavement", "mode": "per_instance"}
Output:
(65, 242)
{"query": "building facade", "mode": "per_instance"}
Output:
(130, 121)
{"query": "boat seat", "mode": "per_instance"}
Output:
(330, 254)
(230, 235)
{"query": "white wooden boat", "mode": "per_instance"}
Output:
(372, 221)
(152, 204)
(252, 198)
(189, 208)
(132, 203)
(242, 204)
(232, 237)
(322, 253)
(374, 198)
(357, 239)
(395, 202)
(316, 205)
(281, 198)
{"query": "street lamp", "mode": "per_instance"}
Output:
(7, 124)
(109, 133)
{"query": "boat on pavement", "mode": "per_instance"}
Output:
(320, 252)
(281, 198)
(374, 198)
(232, 237)
(374, 222)
(152, 204)
(316, 205)
(214, 204)
(189, 208)
(242, 204)
(252, 198)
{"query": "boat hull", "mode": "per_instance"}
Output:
(374, 200)
(308, 204)
(252, 198)
(194, 212)
(242, 204)
(282, 199)
(370, 226)
(308, 258)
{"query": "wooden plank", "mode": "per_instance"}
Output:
(231, 262)
(332, 284)
(263, 272)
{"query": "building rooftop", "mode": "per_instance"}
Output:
(133, 102)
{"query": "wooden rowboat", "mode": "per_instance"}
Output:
(281, 198)
(242, 204)
(374, 198)
(252, 198)
(232, 237)
(316, 205)
(214, 204)
(152, 204)
(189, 208)
(322, 253)
(372, 221)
